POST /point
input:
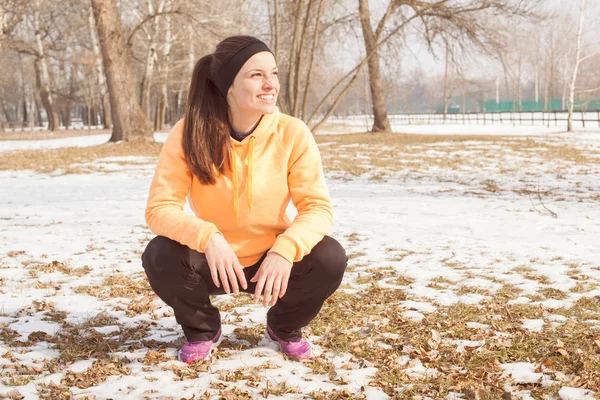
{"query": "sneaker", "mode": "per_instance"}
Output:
(199, 351)
(299, 349)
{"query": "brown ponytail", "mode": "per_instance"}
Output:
(206, 129)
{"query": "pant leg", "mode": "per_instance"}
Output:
(181, 278)
(312, 281)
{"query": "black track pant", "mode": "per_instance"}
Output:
(181, 277)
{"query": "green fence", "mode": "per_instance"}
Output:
(509, 105)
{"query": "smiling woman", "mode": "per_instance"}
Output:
(239, 162)
(253, 92)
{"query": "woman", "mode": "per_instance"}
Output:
(239, 161)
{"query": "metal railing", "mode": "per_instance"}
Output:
(581, 119)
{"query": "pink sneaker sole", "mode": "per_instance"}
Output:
(301, 352)
(213, 346)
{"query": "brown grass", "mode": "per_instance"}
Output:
(402, 152)
(62, 159)
(97, 373)
(405, 152)
(552, 293)
(43, 135)
(571, 348)
(37, 267)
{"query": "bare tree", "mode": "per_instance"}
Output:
(42, 74)
(453, 76)
(1, 40)
(578, 61)
(381, 122)
(311, 60)
(163, 74)
(151, 55)
(129, 120)
(463, 18)
(101, 77)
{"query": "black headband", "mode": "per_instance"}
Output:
(232, 65)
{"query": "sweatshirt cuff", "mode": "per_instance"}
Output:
(204, 237)
(285, 247)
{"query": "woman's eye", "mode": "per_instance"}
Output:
(257, 74)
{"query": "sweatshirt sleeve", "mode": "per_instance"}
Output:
(170, 186)
(309, 195)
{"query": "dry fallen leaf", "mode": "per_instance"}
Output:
(435, 335)
(546, 363)
(563, 352)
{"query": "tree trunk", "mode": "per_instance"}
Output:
(563, 99)
(315, 42)
(31, 120)
(38, 112)
(183, 89)
(294, 50)
(106, 113)
(537, 86)
(162, 100)
(303, 33)
(1, 40)
(7, 114)
(518, 84)
(446, 83)
(68, 104)
(575, 68)
(381, 122)
(129, 120)
(24, 108)
(276, 28)
(150, 58)
(42, 73)
(552, 69)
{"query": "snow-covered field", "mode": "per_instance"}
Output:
(459, 253)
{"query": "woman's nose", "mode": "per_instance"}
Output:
(269, 81)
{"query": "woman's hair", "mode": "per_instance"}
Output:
(206, 127)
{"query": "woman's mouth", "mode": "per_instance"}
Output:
(268, 98)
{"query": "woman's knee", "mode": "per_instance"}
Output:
(162, 253)
(330, 257)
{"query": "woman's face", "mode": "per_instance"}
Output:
(256, 86)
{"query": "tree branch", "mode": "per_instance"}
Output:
(588, 90)
(357, 69)
(392, 6)
(171, 12)
(582, 59)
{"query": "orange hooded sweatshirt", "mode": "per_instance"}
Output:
(277, 162)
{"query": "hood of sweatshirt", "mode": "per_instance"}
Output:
(265, 128)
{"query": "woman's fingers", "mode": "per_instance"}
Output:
(276, 289)
(268, 289)
(223, 276)
(239, 271)
(214, 274)
(260, 284)
(232, 278)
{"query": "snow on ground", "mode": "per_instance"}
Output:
(76, 141)
(448, 129)
(588, 135)
(68, 242)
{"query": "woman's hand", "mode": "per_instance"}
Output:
(223, 263)
(272, 276)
